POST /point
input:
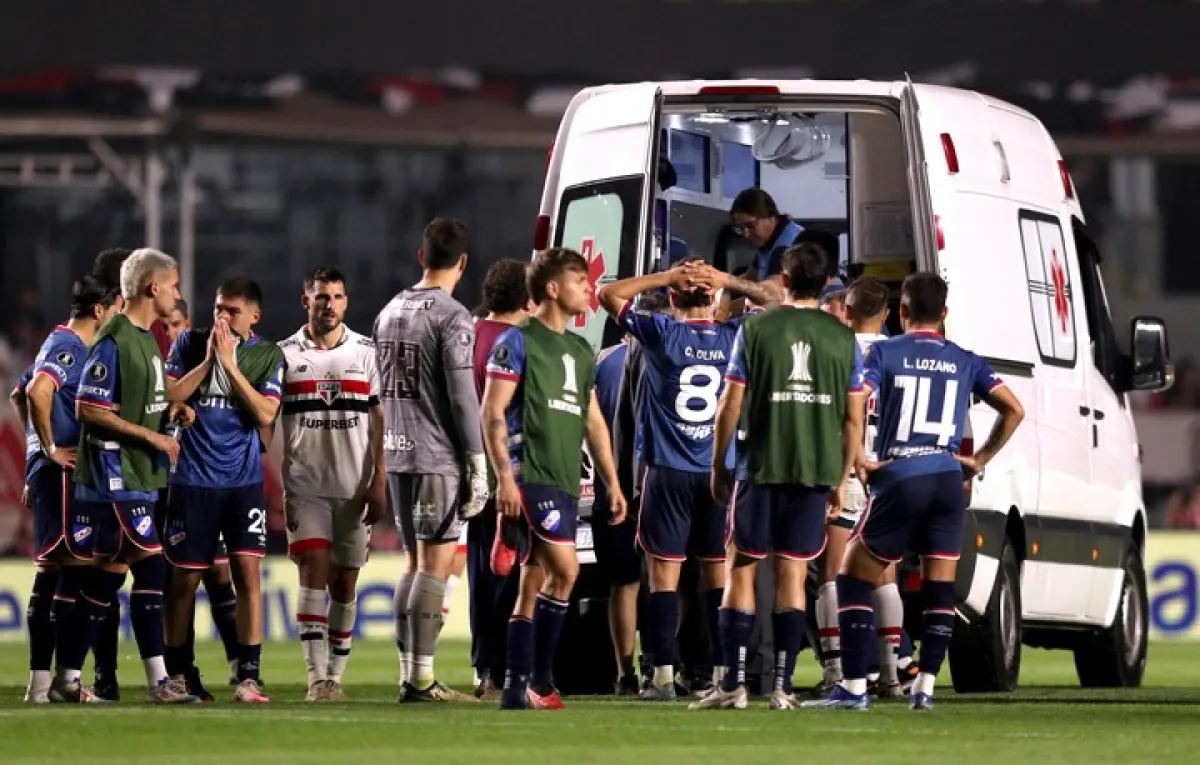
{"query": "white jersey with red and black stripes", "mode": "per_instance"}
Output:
(327, 397)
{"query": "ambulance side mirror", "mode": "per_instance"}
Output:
(1150, 366)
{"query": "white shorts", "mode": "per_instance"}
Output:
(315, 523)
(462, 540)
(855, 502)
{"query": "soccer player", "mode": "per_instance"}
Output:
(178, 322)
(107, 268)
(793, 387)
(334, 479)
(866, 306)
(45, 401)
(538, 406)
(123, 460)
(685, 367)
(433, 447)
(924, 385)
(505, 304)
(232, 379)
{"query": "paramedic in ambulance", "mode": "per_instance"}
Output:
(756, 218)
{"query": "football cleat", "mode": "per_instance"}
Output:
(104, 690)
(627, 685)
(248, 692)
(921, 702)
(317, 692)
(64, 691)
(37, 695)
(718, 698)
(839, 698)
(822, 689)
(191, 681)
(334, 692)
(486, 689)
(548, 700)
(170, 691)
(437, 691)
(504, 547)
(654, 692)
(781, 700)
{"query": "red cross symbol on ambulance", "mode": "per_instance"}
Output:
(1062, 308)
(596, 269)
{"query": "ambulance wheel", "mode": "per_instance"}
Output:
(985, 656)
(1116, 657)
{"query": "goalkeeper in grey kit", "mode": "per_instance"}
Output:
(437, 473)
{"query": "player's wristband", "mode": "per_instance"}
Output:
(49, 450)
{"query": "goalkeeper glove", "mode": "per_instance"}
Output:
(477, 487)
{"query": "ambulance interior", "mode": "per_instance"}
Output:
(840, 171)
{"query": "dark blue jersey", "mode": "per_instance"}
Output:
(507, 362)
(609, 366)
(222, 448)
(924, 384)
(61, 359)
(685, 374)
(100, 386)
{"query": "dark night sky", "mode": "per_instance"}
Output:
(1055, 40)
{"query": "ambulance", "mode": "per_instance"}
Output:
(916, 177)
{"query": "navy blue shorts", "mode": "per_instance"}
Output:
(57, 521)
(115, 522)
(921, 513)
(550, 513)
(616, 547)
(199, 519)
(679, 517)
(787, 519)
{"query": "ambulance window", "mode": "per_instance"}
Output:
(1107, 355)
(1051, 280)
(601, 220)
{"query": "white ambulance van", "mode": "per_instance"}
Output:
(916, 177)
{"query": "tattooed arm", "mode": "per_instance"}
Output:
(497, 395)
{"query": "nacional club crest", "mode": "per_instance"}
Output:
(328, 391)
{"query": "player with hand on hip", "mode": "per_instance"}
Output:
(793, 389)
(433, 447)
(924, 385)
(334, 479)
(45, 403)
(537, 408)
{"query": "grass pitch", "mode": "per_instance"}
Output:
(1049, 721)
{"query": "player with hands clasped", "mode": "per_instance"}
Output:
(538, 406)
(924, 385)
(233, 381)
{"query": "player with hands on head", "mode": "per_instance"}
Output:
(685, 360)
(538, 406)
